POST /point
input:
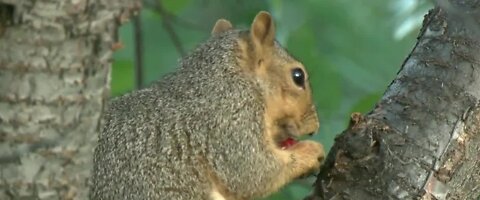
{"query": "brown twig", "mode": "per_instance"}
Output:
(138, 38)
(167, 24)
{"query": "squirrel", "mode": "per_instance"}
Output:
(223, 126)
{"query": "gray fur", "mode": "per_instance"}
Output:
(151, 138)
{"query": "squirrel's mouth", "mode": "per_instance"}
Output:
(287, 143)
(289, 137)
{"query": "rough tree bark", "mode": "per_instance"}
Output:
(422, 139)
(55, 59)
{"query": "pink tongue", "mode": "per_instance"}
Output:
(287, 143)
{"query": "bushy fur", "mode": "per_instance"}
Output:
(197, 130)
(153, 138)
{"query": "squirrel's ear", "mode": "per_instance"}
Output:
(263, 29)
(220, 26)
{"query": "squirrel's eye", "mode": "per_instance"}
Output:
(298, 76)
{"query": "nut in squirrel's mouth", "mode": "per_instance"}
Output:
(287, 143)
(288, 138)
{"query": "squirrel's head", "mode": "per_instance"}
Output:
(283, 80)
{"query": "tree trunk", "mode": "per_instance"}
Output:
(55, 59)
(422, 139)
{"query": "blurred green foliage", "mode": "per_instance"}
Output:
(352, 49)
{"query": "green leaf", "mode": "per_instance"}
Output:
(175, 6)
(366, 103)
(160, 53)
(122, 77)
(289, 16)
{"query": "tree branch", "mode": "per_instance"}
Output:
(168, 26)
(422, 139)
(138, 38)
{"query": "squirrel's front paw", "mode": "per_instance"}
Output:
(309, 156)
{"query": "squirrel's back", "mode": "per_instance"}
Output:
(155, 135)
(213, 129)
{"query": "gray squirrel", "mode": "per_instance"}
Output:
(223, 126)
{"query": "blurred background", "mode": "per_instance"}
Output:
(351, 49)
